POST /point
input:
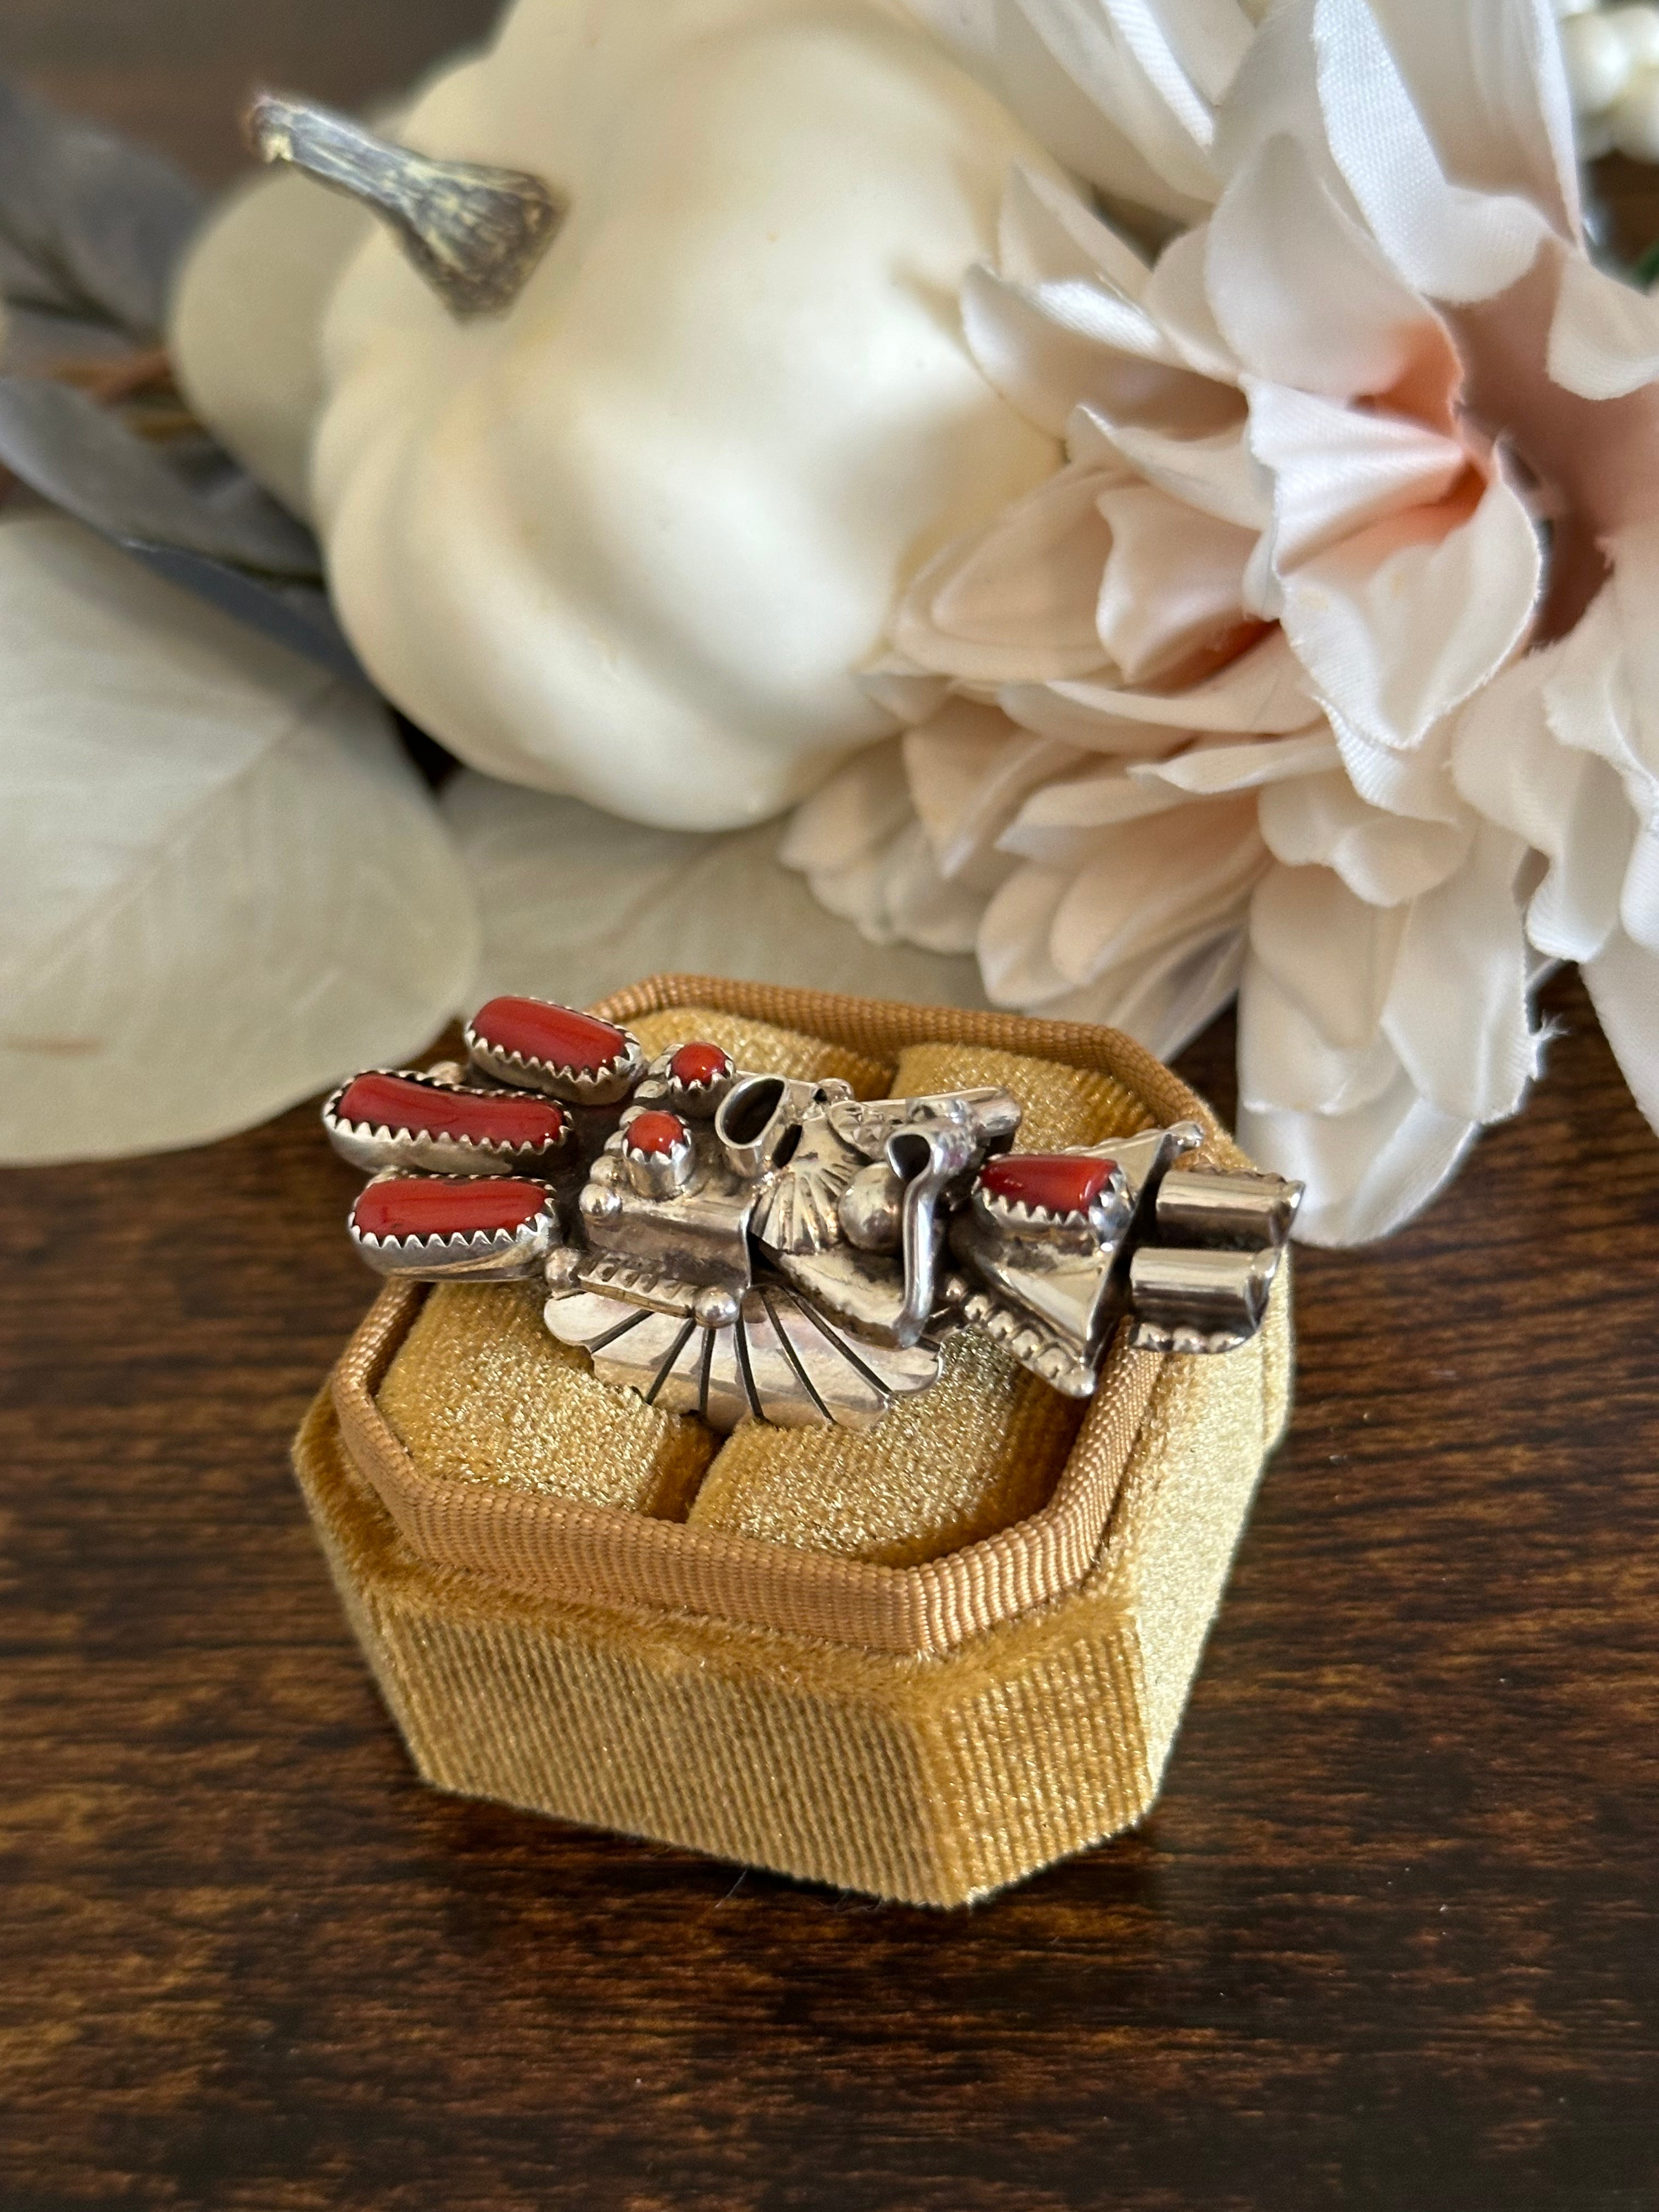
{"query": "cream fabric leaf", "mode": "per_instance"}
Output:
(226, 888)
(576, 903)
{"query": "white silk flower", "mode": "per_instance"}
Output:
(1315, 672)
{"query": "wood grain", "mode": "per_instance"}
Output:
(1391, 1939)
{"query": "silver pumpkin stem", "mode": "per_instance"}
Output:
(475, 233)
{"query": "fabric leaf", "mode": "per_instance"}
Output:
(227, 887)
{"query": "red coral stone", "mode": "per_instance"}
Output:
(410, 1206)
(392, 1102)
(657, 1134)
(555, 1035)
(1060, 1183)
(699, 1063)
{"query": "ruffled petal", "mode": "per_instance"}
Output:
(1623, 982)
(1399, 624)
(1061, 825)
(1336, 470)
(1488, 79)
(1263, 690)
(1173, 581)
(1330, 954)
(1287, 1064)
(1355, 328)
(1014, 932)
(1017, 601)
(1367, 1171)
(1458, 1012)
(1604, 335)
(969, 768)
(1321, 820)
(1155, 881)
(1217, 475)
(1155, 72)
(1448, 240)
(1209, 768)
(1045, 234)
(1569, 805)
(1048, 347)
(1164, 1000)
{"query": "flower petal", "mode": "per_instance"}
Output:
(1173, 581)
(1264, 690)
(1306, 298)
(1216, 475)
(1449, 242)
(1368, 1171)
(1488, 79)
(1286, 1063)
(1156, 880)
(1337, 469)
(1047, 233)
(1396, 627)
(1604, 335)
(1046, 347)
(1016, 600)
(1165, 999)
(1208, 768)
(1155, 72)
(1458, 1012)
(969, 768)
(1568, 805)
(1330, 954)
(1384, 859)
(1623, 982)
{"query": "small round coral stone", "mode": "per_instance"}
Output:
(699, 1063)
(557, 1036)
(658, 1134)
(393, 1102)
(1058, 1181)
(412, 1206)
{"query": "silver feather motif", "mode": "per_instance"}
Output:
(779, 1361)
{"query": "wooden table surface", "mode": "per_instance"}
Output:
(1390, 1939)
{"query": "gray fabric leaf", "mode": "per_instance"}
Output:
(193, 515)
(91, 227)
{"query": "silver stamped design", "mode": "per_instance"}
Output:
(778, 1362)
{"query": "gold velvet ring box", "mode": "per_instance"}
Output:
(921, 1659)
